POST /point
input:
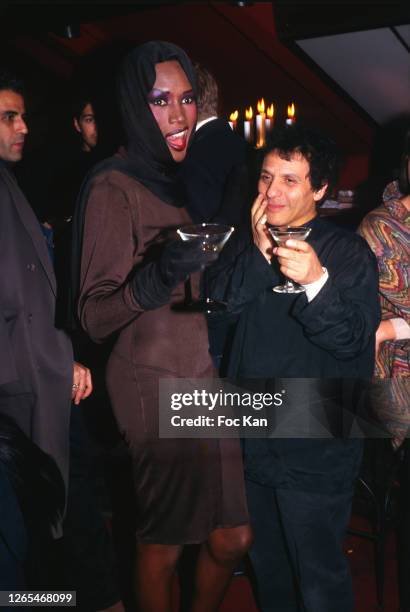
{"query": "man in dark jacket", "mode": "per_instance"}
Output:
(36, 375)
(38, 378)
(216, 177)
(215, 173)
(310, 345)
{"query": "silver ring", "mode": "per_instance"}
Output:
(75, 386)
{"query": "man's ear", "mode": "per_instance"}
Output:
(76, 125)
(318, 195)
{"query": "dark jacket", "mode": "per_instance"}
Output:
(36, 362)
(322, 343)
(217, 178)
(216, 175)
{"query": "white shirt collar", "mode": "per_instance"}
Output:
(201, 123)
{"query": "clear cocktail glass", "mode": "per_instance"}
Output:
(280, 236)
(211, 237)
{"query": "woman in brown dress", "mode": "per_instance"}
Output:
(188, 491)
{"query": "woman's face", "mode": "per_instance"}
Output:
(173, 105)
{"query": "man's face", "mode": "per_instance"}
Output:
(13, 128)
(286, 185)
(86, 126)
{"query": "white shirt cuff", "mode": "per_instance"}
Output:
(401, 328)
(312, 289)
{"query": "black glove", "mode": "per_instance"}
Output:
(152, 284)
(179, 259)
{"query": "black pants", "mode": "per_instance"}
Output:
(404, 530)
(297, 553)
(87, 550)
(13, 546)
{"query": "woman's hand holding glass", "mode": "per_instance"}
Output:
(179, 259)
(152, 283)
(208, 239)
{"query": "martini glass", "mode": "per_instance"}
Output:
(211, 237)
(280, 236)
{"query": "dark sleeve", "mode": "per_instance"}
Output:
(106, 302)
(345, 314)
(240, 274)
(202, 190)
(217, 177)
(8, 372)
(236, 199)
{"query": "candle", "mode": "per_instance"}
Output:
(291, 114)
(233, 118)
(247, 125)
(270, 111)
(260, 124)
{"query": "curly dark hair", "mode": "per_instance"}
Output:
(318, 149)
(10, 81)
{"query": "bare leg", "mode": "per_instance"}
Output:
(217, 560)
(156, 565)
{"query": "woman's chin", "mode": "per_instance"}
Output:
(178, 155)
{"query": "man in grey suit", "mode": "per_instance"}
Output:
(38, 377)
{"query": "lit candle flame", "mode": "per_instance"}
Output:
(260, 124)
(291, 111)
(270, 111)
(248, 125)
(248, 113)
(261, 106)
(234, 116)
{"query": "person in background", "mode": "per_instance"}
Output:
(215, 172)
(78, 156)
(216, 178)
(86, 150)
(300, 488)
(85, 124)
(387, 231)
(88, 559)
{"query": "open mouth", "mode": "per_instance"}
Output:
(178, 140)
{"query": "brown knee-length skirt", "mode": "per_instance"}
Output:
(185, 488)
